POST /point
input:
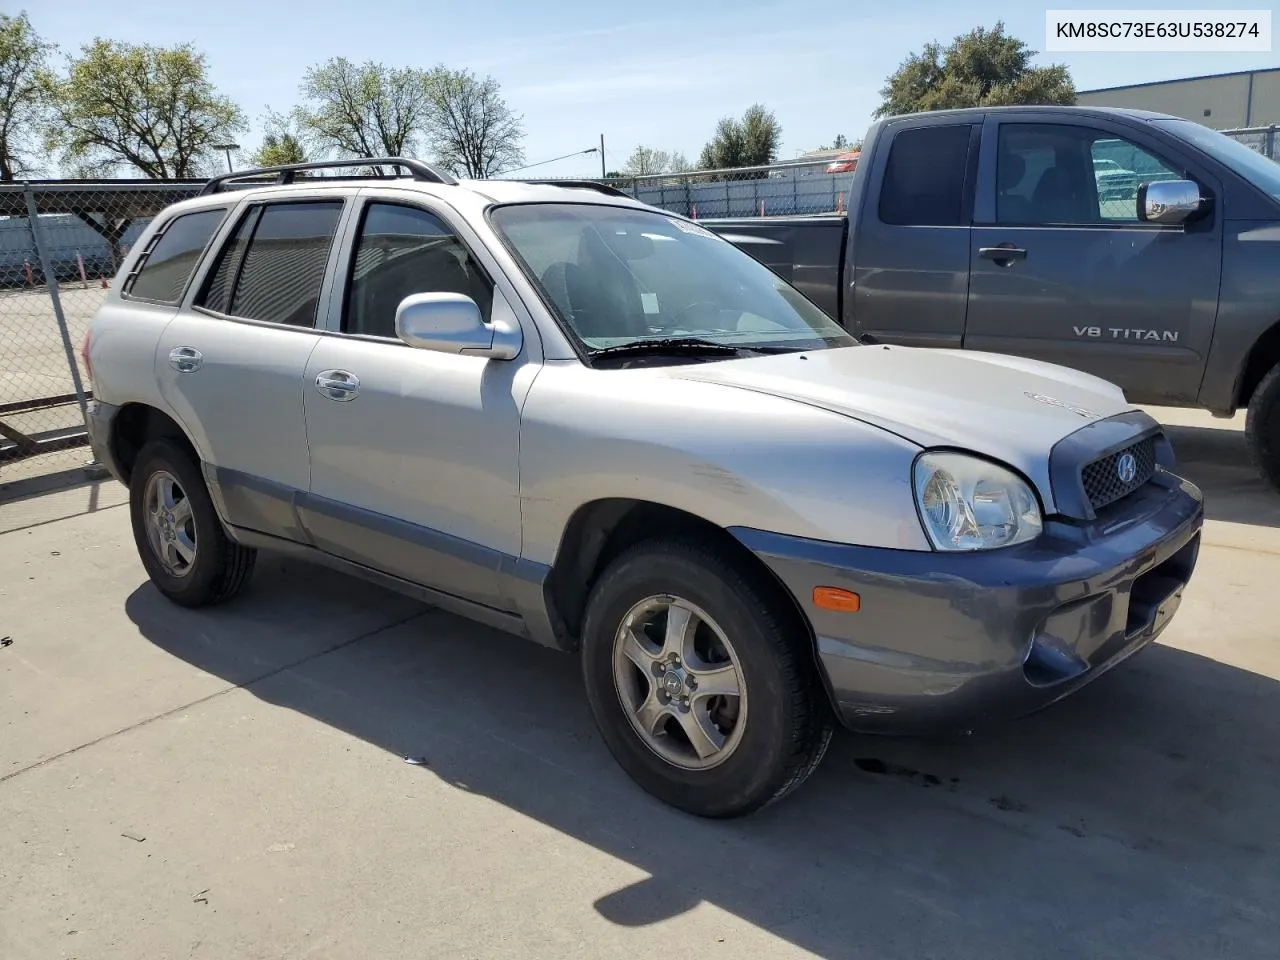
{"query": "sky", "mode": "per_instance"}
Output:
(658, 75)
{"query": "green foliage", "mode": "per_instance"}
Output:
(280, 145)
(978, 69)
(370, 109)
(26, 85)
(278, 150)
(749, 142)
(361, 110)
(147, 107)
(471, 129)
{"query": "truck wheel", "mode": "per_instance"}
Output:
(701, 684)
(180, 539)
(1262, 427)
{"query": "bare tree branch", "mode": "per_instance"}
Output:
(472, 131)
(361, 110)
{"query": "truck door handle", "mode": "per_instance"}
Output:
(185, 359)
(338, 384)
(1003, 254)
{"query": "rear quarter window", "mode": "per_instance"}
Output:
(165, 267)
(924, 178)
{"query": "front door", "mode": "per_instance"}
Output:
(231, 364)
(415, 454)
(1063, 270)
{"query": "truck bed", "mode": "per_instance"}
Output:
(807, 251)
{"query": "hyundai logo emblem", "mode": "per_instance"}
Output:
(1126, 468)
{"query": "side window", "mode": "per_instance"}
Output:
(1119, 168)
(924, 178)
(166, 266)
(1048, 174)
(402, 251)
(273, 267)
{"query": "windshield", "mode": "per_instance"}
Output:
(620, 276)
(1253, 166)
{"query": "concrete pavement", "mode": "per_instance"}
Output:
(232, 783)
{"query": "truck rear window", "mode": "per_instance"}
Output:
(924, 178)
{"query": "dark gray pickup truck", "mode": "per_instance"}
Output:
(1139, 247)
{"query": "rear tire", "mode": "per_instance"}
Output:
(180, 539)
(1262, 426)
(661, 691)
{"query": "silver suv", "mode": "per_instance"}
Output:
(584, 420)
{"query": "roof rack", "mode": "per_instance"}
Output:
(582, 185)
(285, 174)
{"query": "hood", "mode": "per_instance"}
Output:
(1007, 408)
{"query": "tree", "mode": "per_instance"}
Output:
(645, 161)
(151, 108)
(980, 68)
(361, 110)
(678, 163)
(278, 150)
(749, 142)
(840, 142)
(280, 144)
(25, 87)
(471, 129)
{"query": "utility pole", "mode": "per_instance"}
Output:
(603, 172)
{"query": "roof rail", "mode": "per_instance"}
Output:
(582, 185)
(285, 174)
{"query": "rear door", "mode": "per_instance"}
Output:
(911, 236)
(231, 364)
(1064, 271)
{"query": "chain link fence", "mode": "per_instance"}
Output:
(1261, 139)
(780, 189)
(60, 246)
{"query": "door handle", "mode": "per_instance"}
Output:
(338, 384)
(1002, 254)
(185, 359)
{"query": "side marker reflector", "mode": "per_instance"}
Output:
(834, 598)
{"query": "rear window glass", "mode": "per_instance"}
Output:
(924, 179)
(272, 269)
(167, 266)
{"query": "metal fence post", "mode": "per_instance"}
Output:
(51, 281)
(1271, 140)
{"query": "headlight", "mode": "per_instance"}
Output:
(967, 503)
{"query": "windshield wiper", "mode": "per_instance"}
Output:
(694, 346)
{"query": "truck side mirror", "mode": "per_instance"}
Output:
(1169, 201)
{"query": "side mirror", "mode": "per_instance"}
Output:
(1168, 201)
(452, 323)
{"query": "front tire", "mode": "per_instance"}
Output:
(701, 680)
(180, 539)
(1262, 427)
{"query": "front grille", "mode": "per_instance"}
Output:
(1103, 480)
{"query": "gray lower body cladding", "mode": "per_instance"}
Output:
(953, 641)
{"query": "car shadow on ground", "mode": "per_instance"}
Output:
(1136, 819)
(1217, 460)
